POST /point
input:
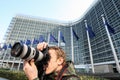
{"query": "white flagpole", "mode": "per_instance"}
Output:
(112, 46)
(72, 48)
(32, 42)
(19, 64)
(4, 55)
(48, 38)
(90, 50)
(59, 38)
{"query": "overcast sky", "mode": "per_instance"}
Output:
(63, 10)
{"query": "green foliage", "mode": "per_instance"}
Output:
(19, 75)
(91, 78)
(12, 75)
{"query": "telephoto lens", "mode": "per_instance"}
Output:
(27, 53)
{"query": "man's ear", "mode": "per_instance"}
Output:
(60, 61)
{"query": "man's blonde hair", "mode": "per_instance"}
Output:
(59, 52)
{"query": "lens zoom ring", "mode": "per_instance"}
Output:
(27, 54)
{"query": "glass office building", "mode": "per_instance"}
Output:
(27, 27)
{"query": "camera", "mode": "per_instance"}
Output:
(27, 53)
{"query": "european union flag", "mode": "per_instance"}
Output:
(90, 32)
(52, 39)
(4, 47)
(35, 41)
(0, 48)
(62, 37)
(110, 29)
(22, 42)
(74, 33)
(41, 39)
(28, 42)
(10, 46)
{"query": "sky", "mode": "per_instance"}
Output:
(61, 10)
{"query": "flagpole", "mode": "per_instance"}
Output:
(48, 38)
(72, 48)
(4, 55)
(112, 46)
(59, 38)
(32, 42)
(89, 45)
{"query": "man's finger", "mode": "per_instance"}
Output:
(32, 63)
(26, 65)
(45, 45)
(41, 46)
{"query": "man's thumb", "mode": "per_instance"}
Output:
(32, 63)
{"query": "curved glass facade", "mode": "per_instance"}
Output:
(26, 27)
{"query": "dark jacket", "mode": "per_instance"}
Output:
(67, 73)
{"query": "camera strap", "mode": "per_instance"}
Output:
(59, 77)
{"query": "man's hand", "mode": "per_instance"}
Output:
(30, 69)
(42, 46)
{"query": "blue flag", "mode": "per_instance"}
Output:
(90, 32)
(22, 42)
(0, 48)
(62, 37)
(4, 47)
(52, 39)
(35, 41)
(74, 33)
(41, 39)
(110, 29)
(28, 42)
(10, 46)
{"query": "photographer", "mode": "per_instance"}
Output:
(57, 67)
